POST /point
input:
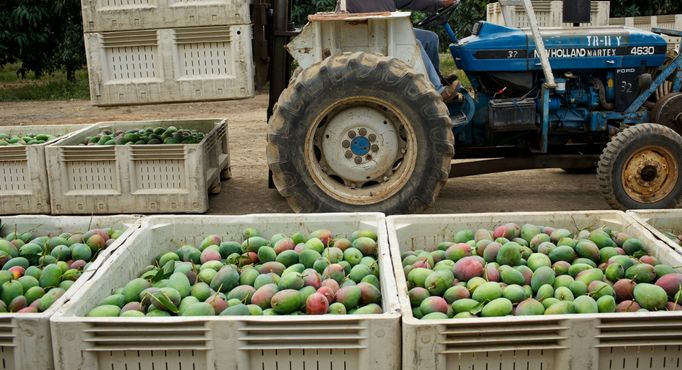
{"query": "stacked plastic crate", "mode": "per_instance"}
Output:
(152, 51)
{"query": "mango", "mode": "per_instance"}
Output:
(587, 249)
(529, 307)
(114, 299)
(641, 273)
(589, 276)
(509, 254)
(510, 275)
(563, 294)
(562, 253)
(497, 307)
(671, 283)
(614, 272)
(349, 296)
(433, 316)
(514, 293)
(289, 300)
(466, 305)
(487, 292)
(225, 280)
(543, 275)
(438, 282)
(628, 306)
(243, 293)
(450, 295)
(560, 308)
(467, 268)
(433, 304)
(131, 291)
(632, 246)
(104, 311)
(199, 309)
(606, 304)
(651, 297)
(337, 309)
(491, 251)
(598, 289)
(537, 260)
(544, 292)
(10, 290)
(602, 239)
(262, 297)
(316, 304)
(236, 310)
(367, 246)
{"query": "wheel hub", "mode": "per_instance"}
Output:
(649, 174)
(360, 144)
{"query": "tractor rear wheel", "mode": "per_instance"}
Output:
(360, 132)
(668, 112)
(641, 167)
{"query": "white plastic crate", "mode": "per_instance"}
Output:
(657, 221)
(170, 65)
(122, 15)
(671, 22)
(23, 175)
(650, 341)
(160, 178)
(548, 13)
(25, 340)
(330, 342)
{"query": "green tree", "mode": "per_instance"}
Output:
(43, 35)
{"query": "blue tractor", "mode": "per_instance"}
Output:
(364, 130)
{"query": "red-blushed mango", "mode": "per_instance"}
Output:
(671, 283)
(329, 293)
(537, 240)
(509, 231)
(624, 289)
(316, 304)
(491, 271)
(366, 245)
(218, 303)
(491, 251)
(598, 289)
(650, 260)
(334, 271)
(529, 307)
(350, 296)
(342, 244)
(543, 275)
(262, 297)
(434, 304)
(451, 295)
(284, 245)
(672, 306)
(369, 294)
(628, 306)
(467, 268)
(312, 278)
(324, 235)
(458, 251)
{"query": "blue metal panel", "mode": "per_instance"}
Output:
(674, 67)
(499, 48)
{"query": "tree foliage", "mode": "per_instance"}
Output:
(43, 35)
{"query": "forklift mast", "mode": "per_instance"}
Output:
(272, 29)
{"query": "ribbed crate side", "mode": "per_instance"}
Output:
(121, 15)
(136, 178)
(171, 65)
(23, 173)
(548, 14)
(555, 342)
(25, 339)
(324, 342)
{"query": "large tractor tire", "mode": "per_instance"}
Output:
(668, 112)
(641, 168)
(360, 132)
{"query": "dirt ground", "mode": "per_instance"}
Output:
(247, 191)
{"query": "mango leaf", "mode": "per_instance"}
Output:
(166, 302)
(164, 272)
(477, 309)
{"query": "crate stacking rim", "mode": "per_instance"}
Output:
(237, 342)
(25, 340)
(557, 342)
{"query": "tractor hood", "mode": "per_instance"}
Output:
(497, 48)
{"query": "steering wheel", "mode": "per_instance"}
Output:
(441, 16)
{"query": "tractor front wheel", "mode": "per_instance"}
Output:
(359, 132)
(641, 168)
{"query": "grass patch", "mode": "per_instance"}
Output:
(448, 67)
(53, 86)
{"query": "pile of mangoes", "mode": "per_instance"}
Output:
(285, 275)
(146, 136)
(28, 139)
(36, 271)
(536, 270)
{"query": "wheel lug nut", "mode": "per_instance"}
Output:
(368, 157)
(358, 160)
(349, 154)
(372, 137)
(345, 144)
(375, 148)
(351, 134)
(362, 132)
